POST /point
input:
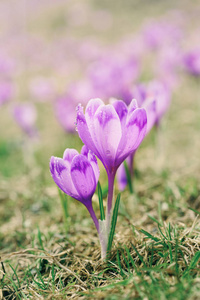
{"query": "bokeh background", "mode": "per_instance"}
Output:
(55, 54)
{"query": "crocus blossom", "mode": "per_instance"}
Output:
(25, 115)
(153, 91)
(6, 92)
(112, 75)
(77, 176)
(112, 132)
(155, 98)
(191, 62)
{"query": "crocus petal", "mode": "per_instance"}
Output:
(91, 109)
(134, 133)
(107, 133)
(122, 110)
(83, 177)
(60, 172)
(85, 150)
(83, 130)
(121, 177)
(132, 106)
(69, 154)
(150, 106)
(92, 159)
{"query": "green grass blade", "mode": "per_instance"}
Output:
(100, 195)
(138, 254)
(159, 213)
(128, 176)
(119, 264)
(194, 260)
(64, 204)
(149, 235)
(104, 190)
(40, 239)
(131, 259)
(193, 263)
(194, 210)
(113, 223)
(154, 219)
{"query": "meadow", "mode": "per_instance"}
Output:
(50, 57)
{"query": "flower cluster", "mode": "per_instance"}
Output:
(111, 132)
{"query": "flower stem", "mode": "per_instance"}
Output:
(111, 178)
(131, 166)
(93, 215)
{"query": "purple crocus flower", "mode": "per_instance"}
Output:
(6, 92)
(77, 176)
(25, 115)
(155, 98)
(112, 132)
(42, 89)
(65, 106)
(161, 92)
(191, 62)
(159, 33)
(111, 76)
(65, 113)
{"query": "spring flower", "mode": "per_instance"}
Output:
(65, 113)
(6, 92)
(155, 98)
(25, 115)
(77, 176)
(191, 62)
(153, 91)
(161, 33)
(65, 106)
(112, 76)
(42, 89)
(112, 132)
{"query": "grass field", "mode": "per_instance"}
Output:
(49, 246)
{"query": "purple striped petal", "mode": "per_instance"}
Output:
(134, 133)
(83, 130)
(69, 154)
(150, 106)
(93, 161)
(121, 177)
(60, 171)
(132, 106)
(107, 133)
(84, 150)
(121, 109)
(83, 177)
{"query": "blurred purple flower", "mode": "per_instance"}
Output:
(162, 94)
(155, 98)
(153, 91)
(6, 91)
(66, 113)
(168, 65)
(157, 34)
(112, 76)
(191, 62)
(77, 176)
(25, 115)
(65, 107)
(6, 65)
(42, 89)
